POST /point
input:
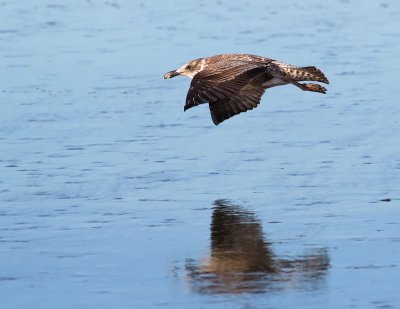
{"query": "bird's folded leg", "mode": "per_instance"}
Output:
(309, 87)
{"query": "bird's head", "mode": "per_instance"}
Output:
(189, 69)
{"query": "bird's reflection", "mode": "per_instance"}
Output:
(241, 260)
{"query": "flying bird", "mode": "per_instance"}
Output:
(234, 83)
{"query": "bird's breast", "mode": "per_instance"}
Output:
(274, 81)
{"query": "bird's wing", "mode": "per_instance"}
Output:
(230, 88)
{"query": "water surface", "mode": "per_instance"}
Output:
(113, 197)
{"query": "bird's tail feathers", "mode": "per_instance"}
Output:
(313, 74)
(309, 73)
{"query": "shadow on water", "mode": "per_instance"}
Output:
(242, 261)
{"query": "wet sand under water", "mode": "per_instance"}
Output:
(113, 197)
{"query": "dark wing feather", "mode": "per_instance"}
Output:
(206, 85)
(247, 99)
(230, 88)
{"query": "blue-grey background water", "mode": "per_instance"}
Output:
(113, 197)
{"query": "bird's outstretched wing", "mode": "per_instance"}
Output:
(230, 88)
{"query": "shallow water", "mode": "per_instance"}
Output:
(112, 197)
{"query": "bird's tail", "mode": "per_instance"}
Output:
(314, 74)
(310, 73)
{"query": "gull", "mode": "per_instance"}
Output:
(234, 83)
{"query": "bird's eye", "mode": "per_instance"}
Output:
(188, 67)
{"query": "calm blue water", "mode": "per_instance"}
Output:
(113, 197)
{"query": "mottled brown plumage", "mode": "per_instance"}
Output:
(234, 83)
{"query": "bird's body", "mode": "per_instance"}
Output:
(234, 83)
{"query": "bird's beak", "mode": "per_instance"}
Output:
(171, 74)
